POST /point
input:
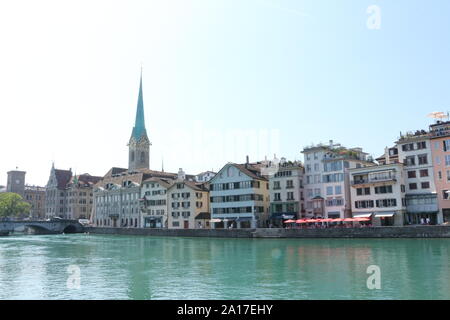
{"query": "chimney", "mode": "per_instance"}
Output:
(386, 155)
(246, 160)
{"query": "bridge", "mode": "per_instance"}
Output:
(41, 226)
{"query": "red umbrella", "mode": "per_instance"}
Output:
(300, 221)
(362, 219)
(289, 221)
(310, 220)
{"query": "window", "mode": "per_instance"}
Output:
(364, 204)
(329, 191)
(446, 145)
(403, 188)
(385, 203)
(317, 192)
(410, 161)
(421, 145)
(423, 159)
(424, 173)
(383, 189)
(277, 197)
(276, 185)
(447, 160)
(440, 175)
(362, 191)
(448, 175)
(408, 147)
(289, 184)
(290, 196)
(438, 160)
(411, 174)
(445, 194)
(338, 190)
(425, 185)
(316, 167)
(413, 186)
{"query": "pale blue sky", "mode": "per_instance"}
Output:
(216, 72)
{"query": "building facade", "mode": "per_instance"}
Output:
(414, 151)
(326, 183)
(239, 197)
(56, 193)
(187, 200)
(35, 196)
(154, 202)
(69, 196)
(80, 196)
(378, 192)
(440, 153)
(286, 192)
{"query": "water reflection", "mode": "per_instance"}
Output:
(119, 267)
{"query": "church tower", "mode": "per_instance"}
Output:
(139, 144)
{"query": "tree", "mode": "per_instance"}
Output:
(13, 205)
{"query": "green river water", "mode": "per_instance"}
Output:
(135, 267)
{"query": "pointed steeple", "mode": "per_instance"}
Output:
(139, 125)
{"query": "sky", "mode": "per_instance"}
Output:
(222, 79)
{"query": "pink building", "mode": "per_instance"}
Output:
(440, 148)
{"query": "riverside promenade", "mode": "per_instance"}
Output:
(366, 232)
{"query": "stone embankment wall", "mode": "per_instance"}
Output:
(373, 232)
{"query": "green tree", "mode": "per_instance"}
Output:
(13, 205)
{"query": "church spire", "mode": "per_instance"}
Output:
(139, 145)
(139, 125)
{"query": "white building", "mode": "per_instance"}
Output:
(187, 200)
(414, 151)
(205, 176)
(326, 183)
(154, 202)
(286, 192)
(378, 192)
(239, 197)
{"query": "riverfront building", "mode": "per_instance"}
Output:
(414, 151)
(286, 192)
(239, 196)
(440, 150)
(154, 202)
(35, 196)
(188, 200)
(69, 196)
(327, 187)
(378, 192)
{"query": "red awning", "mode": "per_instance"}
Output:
(337, 220)
(289, 221)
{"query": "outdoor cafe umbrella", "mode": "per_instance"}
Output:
(289, 221)
(301, 221)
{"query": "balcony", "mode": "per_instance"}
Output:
(360, 182)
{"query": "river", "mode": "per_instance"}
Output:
(82, 266)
